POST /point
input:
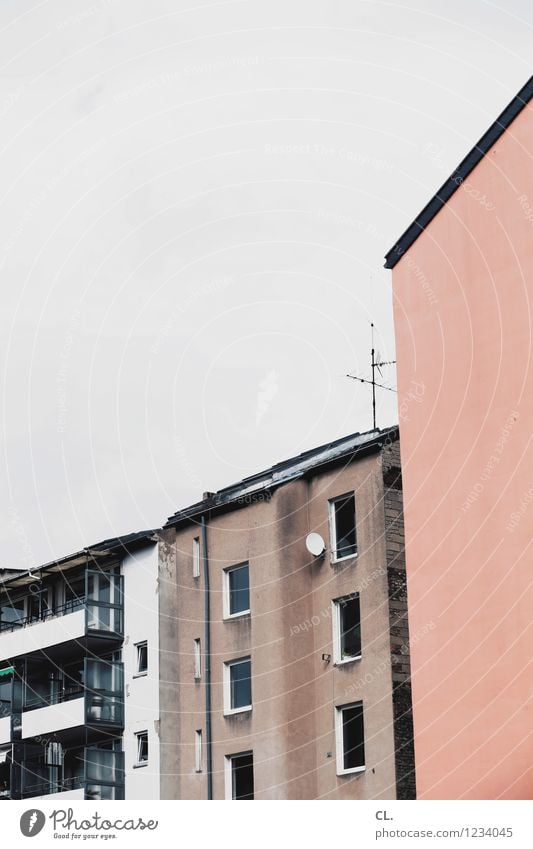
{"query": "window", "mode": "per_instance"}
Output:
(142, 748)
(38, 605)
(237, 590)
(197, 659)
(239, 776)
(342, 527)
(142, 658)
(196, 557)
(346, 629)
(198, 750)
(238, 685)
(350, 739)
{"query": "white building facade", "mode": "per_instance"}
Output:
(79, 673)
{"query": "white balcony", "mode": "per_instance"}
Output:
(46, 720)
(79, 793)
(42, 635)
(5, 729)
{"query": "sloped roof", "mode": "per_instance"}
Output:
(460, 174)
(345, 449)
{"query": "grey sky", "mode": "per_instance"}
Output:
(195, 203)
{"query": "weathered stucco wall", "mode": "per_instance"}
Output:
(291, 728)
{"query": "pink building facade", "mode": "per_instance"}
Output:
(463, 294)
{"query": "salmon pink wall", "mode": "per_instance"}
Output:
(463, 297)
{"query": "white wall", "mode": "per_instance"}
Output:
(141, 622)
(5, 729)
(46, 720)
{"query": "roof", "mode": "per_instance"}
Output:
(460, 174)
(123, 544)
(240, 494)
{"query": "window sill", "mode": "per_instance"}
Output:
(140, 766)
(347, 660)
(231, 616)
(354, 771)
(335, 560)
(236, 711)
(141, 674)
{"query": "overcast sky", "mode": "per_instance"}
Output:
(195, 204)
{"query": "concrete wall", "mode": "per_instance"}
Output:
(291, 727)
(462, 307)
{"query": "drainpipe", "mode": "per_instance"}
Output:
(207, 643)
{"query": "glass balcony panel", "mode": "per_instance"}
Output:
(104, 602)
(104, 694)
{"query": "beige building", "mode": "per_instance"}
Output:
(284, 659)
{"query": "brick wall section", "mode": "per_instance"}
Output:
(399, 626)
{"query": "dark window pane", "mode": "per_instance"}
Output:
(350, 617)
(142, 742)
(239, 590)
(142, 658)
(241, 684)
(242, 776)
(12, 612)
(345, 539)
(353, 737)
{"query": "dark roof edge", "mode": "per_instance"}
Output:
(125, 543)
(460, 174)
(241, 494)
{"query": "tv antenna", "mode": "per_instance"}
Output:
(376, 363)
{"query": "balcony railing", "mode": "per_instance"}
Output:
(102, 776)
(44, 615)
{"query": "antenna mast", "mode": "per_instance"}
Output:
(374, 365)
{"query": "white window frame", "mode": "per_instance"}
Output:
(196, 557)
(338, 660)
(226, 591)
(228, 772)
(138, 735)
(333, 530)
(140, 673)
(198, 750)
(339, 739)
(228, 710)
(197, 659)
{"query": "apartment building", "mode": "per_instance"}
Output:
(463, 290)
(79, 672)
(284, 647)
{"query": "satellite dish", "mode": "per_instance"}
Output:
(315, 544)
